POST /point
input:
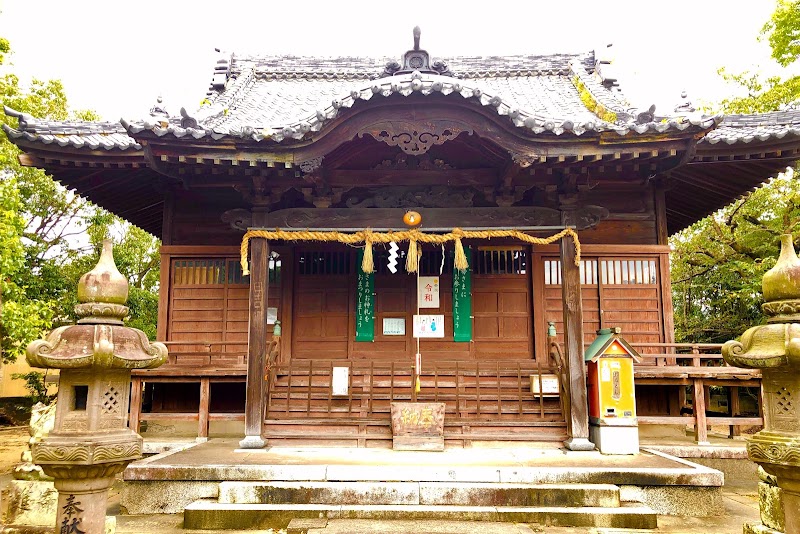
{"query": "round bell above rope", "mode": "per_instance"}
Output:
(412, 218)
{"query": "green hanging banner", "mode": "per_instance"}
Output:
(365, 303)
(462, 302)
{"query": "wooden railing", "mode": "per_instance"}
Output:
(201, 362)
(699, 366)
(666, 354)
(207, 353)
(489, 400)
(301, 390)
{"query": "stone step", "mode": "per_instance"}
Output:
(421, 493)
(213, 515)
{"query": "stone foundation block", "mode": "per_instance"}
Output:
(690, 501)
(333, 493)
(770, 503)
(31, 503)
(758, 528)
(157, 497)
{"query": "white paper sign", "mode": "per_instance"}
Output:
(272, 315)
(548, 385)
(428, 296)
(429, 326)
(394, 326)
(340, 381)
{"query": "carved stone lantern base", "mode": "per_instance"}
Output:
(90, 442)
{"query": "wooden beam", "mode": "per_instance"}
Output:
(578, 419)
(256, 340)
(379, 177)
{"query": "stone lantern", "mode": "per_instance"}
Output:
(775, 349)
(91, 442)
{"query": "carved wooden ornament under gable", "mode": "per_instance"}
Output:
(410, 197)
(415, 137)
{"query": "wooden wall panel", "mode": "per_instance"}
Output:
(502, 308)
(624, 292)
(321, 315)
(208, 303)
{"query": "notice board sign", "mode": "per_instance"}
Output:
(394, 326)
(428, 294)
(429, 326)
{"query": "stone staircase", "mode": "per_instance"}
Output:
(254, 504)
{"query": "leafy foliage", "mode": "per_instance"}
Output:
(718, 263)
(783, 32)
(35, 383)
(762, 94)
(50, 236)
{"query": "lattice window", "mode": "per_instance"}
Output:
(626, 272)
(552, 272)
(430, 263)
(198, 272)
(111, 403)
(784, 406)
(324, 262)
(511, 260)
(235, 276)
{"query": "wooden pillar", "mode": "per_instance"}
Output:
(735, 410)
(578, 420)
(256, 343)
(699, 405)
(136, 404)
(203, 411)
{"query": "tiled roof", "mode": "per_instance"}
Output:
(279, 98)
(289, 67)
(757, 127)
(78, 134)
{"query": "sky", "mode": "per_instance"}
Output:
(116, 57)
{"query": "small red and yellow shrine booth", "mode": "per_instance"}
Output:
(612, 401)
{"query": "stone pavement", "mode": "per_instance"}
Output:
(739, 496)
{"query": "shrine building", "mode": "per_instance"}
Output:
(528, 203)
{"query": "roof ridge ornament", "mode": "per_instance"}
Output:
(417, 59)
(158, 109)
(685, 106)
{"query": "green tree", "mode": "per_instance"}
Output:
(718, 263)
(43, 229)
(25, 312)
(783, 33)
